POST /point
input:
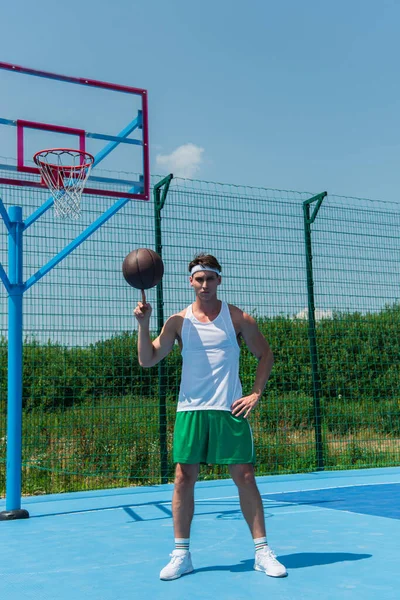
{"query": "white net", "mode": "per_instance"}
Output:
(65, 173)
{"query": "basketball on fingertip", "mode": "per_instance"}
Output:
(143, 268)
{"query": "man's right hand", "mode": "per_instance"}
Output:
(142, 313)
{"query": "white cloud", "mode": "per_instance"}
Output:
(184, 161)
(319, 314)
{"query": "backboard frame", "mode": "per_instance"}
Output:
(138, 190)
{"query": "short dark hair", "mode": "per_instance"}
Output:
(205, 260)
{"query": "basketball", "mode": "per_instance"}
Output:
(143, 268)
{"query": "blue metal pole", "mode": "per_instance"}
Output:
(14, 412)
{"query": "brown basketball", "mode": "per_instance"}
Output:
(143, 268)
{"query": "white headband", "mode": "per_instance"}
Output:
(204, 268)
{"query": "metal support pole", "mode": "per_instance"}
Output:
(312, 336)
(160, 194)
(14, 411)
(16, 288)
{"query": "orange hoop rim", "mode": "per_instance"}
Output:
(88, 158)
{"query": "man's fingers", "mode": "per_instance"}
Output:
(237, 410)
(142, 310)
(241, 407)
(143, 306)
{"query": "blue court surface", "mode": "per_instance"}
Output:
(337, 533)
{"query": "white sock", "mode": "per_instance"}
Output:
(182, 544)
(260, 543)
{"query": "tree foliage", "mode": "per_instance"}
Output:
(359, 359)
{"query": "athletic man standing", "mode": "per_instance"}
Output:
(211, 423)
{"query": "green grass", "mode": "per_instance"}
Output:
(114, 442)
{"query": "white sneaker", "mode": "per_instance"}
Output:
(266, 561)
(180, 564)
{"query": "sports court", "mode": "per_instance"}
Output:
(337, 533)
(84, 416)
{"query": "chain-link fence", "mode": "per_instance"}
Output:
(92, 418)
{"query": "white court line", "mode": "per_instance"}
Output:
(333, 487)
(169, 502)
(298, 512)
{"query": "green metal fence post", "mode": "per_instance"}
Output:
(160, 192)
(316, 380)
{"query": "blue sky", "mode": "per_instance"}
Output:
(292, 94)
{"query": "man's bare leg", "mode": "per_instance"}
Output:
(183, 498)
(250, 499)
(253, 512)
(182, 511)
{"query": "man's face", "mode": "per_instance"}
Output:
(205, 283)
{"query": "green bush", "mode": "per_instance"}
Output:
(91, 416)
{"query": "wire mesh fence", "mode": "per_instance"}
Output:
(91, 415)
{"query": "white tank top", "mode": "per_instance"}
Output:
(210, 372)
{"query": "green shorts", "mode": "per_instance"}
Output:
(212, 437)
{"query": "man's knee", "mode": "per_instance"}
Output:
(243, 475)
(186, 475)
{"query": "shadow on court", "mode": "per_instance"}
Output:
(111, 544)
(379, 500)
(292, 561)
(301, 560)
(244, 565)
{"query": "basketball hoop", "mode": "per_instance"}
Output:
(65, 173)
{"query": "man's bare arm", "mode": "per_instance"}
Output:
(152, 352)
(259, 347)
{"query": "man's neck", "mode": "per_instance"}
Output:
(210, 308)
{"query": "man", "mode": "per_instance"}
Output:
(211, 423)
